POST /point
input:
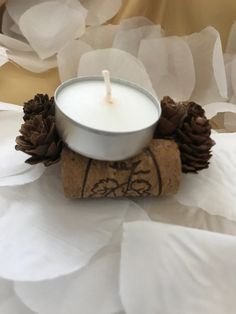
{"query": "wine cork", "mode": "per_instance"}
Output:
(154, 172)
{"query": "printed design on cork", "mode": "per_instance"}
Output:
(130, 178)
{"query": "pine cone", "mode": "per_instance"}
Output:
(171, 117)
(41, 104)
(40, 140)
(194, 140)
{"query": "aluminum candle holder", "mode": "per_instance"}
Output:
(106, 131)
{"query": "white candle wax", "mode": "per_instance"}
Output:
(86, 103)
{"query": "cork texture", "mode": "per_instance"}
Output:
(154, 172)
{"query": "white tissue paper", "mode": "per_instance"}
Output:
(100, 37)
(100, 11)
(211, 84)
(134, 22)
(228, 59)
(97, 281)
(9, 27)
(169, 269)
(93, 289)
(14, 44)
(17, 8)
(213, 189)
(129, 40)
(13, 170)
(49, 25)
(169, 63)
(9, 302)
(120, 64)
(54, 236)
(31, 62)
(68, 58)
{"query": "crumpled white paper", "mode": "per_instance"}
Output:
(211, 84)
(213, 189)
(169, 63)
(99, 11)
(13, 170)
(117, 62)
(48, 25)
(166, 268)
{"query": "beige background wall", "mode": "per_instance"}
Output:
(177, 17)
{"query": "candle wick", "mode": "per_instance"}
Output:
(107, 80)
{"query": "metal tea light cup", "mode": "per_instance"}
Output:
(98, 144)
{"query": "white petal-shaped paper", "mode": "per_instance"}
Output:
(17, 8)
(213, 189)
(129, 40)
(9, 302)
(3, 56)
(10, 107)
(207, 54)
(230, 121)
(94, 289)
(15, 44)
(169, 63)
(9, 27)
(30, 61)
(228, 59)
(120, 64)
(212, 109)
(13, 170)
(219, 68)
(231, 43)
(134, 22)
(100, 11)
(169, 210)
(100, 37)
(58, 24)
(53, 236)
(68, 58)
(97, 281)
(171, 269)
(233, 74)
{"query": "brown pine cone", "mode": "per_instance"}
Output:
(171, 117)
(41, 104)
(40, 140)
(194, 140)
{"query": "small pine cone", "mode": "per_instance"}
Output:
(40, 140)
(194, 140)
(171, 117)
(41, 104)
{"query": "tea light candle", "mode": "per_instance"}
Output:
(90, 103)
(105, 119)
